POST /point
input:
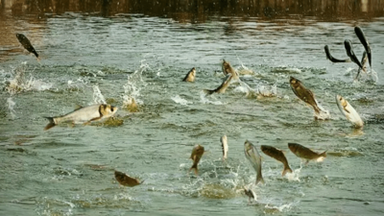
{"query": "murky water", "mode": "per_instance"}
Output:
(89, 59)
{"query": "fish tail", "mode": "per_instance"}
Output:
(51, 123)
(286, 169)
(195, 169)
(324, 154)
(260, 179)
(36, 54)
(208, 91)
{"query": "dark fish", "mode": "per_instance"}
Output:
(196, 155)
(221, 89)
(360, 34)
(254, 158)
(251, 194)
(26, 44)
(331, 58)
(126, 180)
(351, 54)
(278, 155)
(83, 115)
(303, 93)
(305, 153)
(190, 77)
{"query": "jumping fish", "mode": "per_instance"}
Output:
(224, 146)
(360, 34)
(190, 77)
(254, 158)
(83, 115)
(304, 94)
(26, 44)
(196, 155)
(221, 89)
(331, 58)
(278, 155)
(349, 112)
(228, 69)
(306, 153)
(126, 180)
(351, 54)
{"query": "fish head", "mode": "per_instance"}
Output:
(197, 151)
(107, 110)
(341, 102)
(292, 147)
(226, 67)
(193, 72)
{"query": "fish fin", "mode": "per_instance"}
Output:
(94, 119)
(195, 169)
(324, 154)
(51, 123)
(286, 169)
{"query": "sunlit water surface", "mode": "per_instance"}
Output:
(86, 59)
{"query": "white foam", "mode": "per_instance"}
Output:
(11, 105)
(98, 98)
(180, 100)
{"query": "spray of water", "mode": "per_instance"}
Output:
(98, 98)
(11, 105)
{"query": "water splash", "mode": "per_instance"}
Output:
(98, 98)
(205, 100)
(11, 105)
(180, 100)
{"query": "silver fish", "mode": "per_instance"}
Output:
(228, 69)
(190, 77)
(224, 146)
(83, 115)
(349, 112)
(254, 158)
(221, 89)
(305, 153)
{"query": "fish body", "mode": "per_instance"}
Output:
(251, 195)
(254, 158)
(197, 153)
(349, 112)
(360, 34)
(26, 44)
(221, 89)
(331, 58)
(305, 153)
(126, 180)
(83, 115)
(303, 93)
(190, 77)
(228, 69)
(224, 146)
(351, 54)
(278, 155)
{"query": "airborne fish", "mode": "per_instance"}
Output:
(221, 88)
(83, 115)
(197, 153)
(278, 155)
(228, 69)
(351, 54)
(305, 153)
(26, 44)
(190, 77)
(349, 112)
(254, 158)
(331, 58)
(251, 195)
(304, 94)
(126, 180)
(360, 34)
(224, 146)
